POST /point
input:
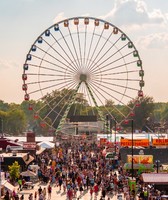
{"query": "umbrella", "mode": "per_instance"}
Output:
(28, 173)
(46, 145)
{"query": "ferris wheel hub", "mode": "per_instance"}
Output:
(83, 77)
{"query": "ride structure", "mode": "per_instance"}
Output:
(82, 66)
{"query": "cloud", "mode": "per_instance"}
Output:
(131, 12)
(4, 64)
(61, 16)
(154, 41)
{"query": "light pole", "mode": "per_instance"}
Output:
(132, 148)
(115, 129)
(1, 160)
(157, 165)
(115, 146)
(1, 126)
(107, 125)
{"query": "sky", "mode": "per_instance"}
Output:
(144, 21)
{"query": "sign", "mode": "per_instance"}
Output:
(29, 145)
(140, 159)
(160, 142)
(30, 137)
(136, 142)
(103, 141)
(111, 156)
(132, 184)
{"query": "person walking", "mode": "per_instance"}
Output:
(49, 191)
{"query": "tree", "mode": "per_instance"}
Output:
(4, 106)
(16, 121)
(14, 171)
(144, 111)
(164, 112)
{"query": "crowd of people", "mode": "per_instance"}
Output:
(81, 167)
(77, 168)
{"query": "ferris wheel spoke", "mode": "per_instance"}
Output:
(46, 52)
(90, 100)
(47, 81)
(101, 58)
(94, 88)
(68, 107)
(85, 45)
(66, 43)
(47, 68)
(101, 49)
(49, 87)
(125, 79)
(65, 51)
(47, 61)
(40, 74)
(117, 73)
(96, 45)
(116, 67)
(80, 53)
(69, 85)
(55, 106)
(102, 66)
(88, 55)
(118, 85)
(74, 47)
(114, 91)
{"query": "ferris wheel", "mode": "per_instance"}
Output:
(82, 58)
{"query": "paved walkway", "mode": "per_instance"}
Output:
(56, 194)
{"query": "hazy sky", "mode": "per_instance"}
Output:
(144, 21)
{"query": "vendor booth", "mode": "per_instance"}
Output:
(141, 163)
(158, 180)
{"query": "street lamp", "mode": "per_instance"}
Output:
(1, 160)
(157, 165)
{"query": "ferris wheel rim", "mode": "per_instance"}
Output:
(92, 18)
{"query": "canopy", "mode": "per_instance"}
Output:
(155, 178)
(111, 156)
(46, 145)
(28, 173)
(8, 185)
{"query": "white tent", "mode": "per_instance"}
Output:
(8, 185)
(28, 173)
(46, 145)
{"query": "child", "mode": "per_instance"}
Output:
(91, 192)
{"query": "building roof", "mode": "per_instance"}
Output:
(22, 158)
(155, 178)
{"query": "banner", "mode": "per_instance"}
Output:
(140, 159)
(136, 142)
(29, 145)
(160, 142)
(103, 141)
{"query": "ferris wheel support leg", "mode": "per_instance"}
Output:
(98, 109)
(67, 110)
